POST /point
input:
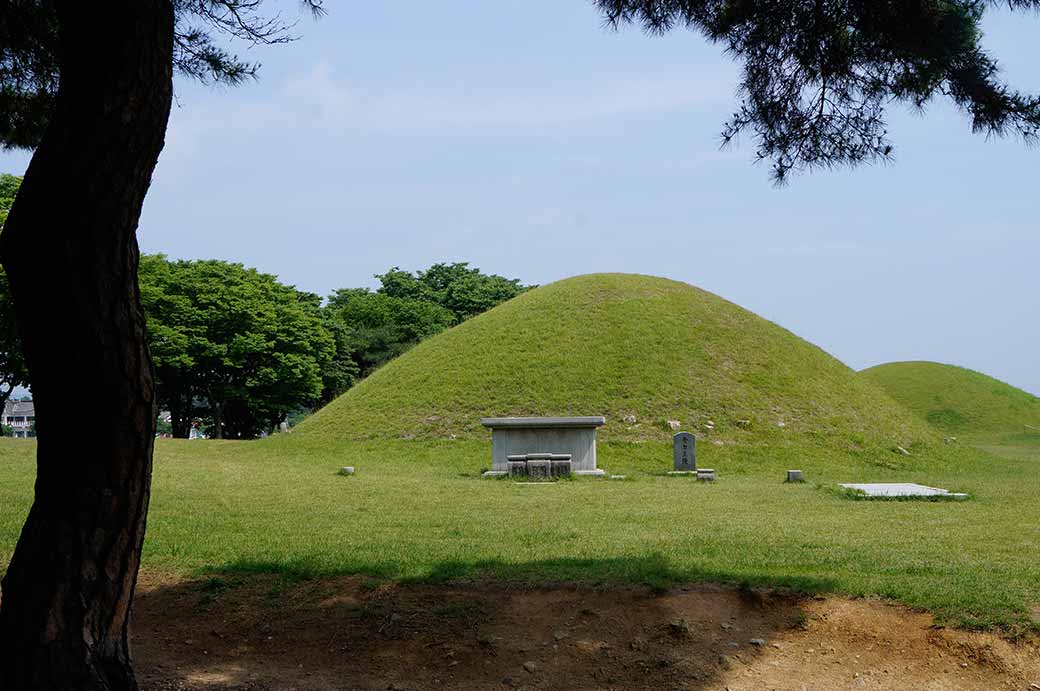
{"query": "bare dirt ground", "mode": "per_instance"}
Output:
(263, 634)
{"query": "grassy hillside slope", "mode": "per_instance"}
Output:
(959, 401)
(620, 345)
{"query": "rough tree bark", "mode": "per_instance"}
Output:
(70, 250)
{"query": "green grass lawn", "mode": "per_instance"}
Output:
(1019, 446)
(420, 510)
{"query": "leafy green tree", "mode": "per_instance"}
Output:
(9, 185)
(816, 80)
(408, 307)
(232, 345)
(374, 327)
(342, 370)
(378, 327)
(163, 427)
(13, 370)
(464, 291)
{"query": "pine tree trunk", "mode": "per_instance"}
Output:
(70, 251)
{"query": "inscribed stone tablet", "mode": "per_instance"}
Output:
(684, 451)
(561, 468)
(539, 470)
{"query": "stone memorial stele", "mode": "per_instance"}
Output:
(544, 439)
(684, 452)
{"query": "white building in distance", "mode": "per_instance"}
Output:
(20, 416)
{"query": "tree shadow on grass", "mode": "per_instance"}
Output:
(562, 624)
(652, 570)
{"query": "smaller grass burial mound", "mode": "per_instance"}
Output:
(959, 401)
(639, 350)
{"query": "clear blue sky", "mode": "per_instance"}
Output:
(524, 137)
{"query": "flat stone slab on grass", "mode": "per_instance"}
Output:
(902, 489)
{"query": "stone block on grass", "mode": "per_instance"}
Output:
(561, 468)
(539, 469)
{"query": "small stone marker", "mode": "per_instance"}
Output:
(684, 452)
(561, 468)
(795, 476)
(346, 470)
(706, 475)
(539, 469)
(538, 465)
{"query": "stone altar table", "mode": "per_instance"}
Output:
(571, 436)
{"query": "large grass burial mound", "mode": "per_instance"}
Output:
(622, 346)
(957, 400)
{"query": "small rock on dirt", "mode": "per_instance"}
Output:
(530, 667)
(757, 642)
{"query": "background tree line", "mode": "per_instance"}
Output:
(13, 371)
(240, 351)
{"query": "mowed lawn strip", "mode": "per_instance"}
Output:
(419, 510)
